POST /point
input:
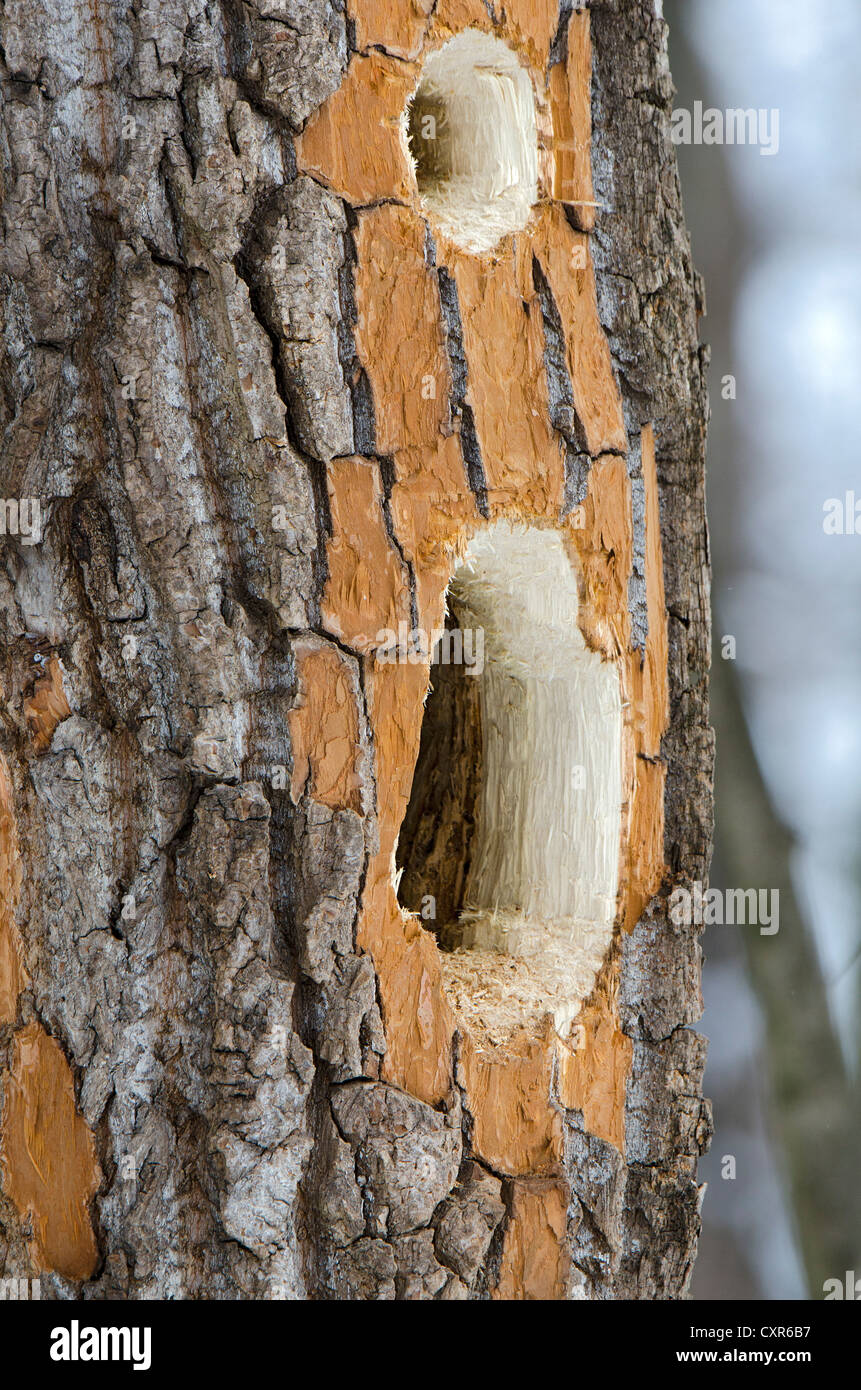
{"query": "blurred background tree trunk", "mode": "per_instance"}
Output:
(784, 1083)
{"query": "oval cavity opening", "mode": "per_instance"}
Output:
(473, 142)
(510, 845)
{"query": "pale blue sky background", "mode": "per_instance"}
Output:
(784, 282)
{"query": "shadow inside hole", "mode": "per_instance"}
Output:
(513, 830)
(428, 136)
(435, 842)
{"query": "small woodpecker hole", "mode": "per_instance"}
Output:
(513, 827)
(472, 139)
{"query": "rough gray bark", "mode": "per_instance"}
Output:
(189, 937)
(641, 1223)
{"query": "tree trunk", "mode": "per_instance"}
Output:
(280, 387)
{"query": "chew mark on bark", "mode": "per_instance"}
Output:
(367, 591)
(535, 1260)
(566, 262)
(605, 546)
(453, 16)
(434, 511)
(400, 341)
(418, 1022)
(650, 697)
(48, 1156)
(528, 25)
(515, 1128)
(593, 1079)
(399, 336)
(46, 706)
(354, 142)
(12, 975)
(507, 386)
(398, 26)
(48, 1163)
(569, 82)
(324, 729)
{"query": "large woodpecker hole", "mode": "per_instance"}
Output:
(513, 827)
(473, 140)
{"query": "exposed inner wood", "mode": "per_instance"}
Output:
(533, 1257)
(48, 1156)
(324, 725)
(47, 1153)
(512, 1088)
(11, 964)
(472, 138)
(569, 82)
(46, 706)
(536, 900)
